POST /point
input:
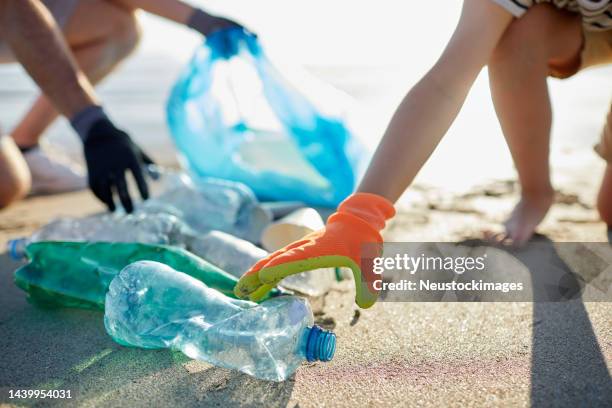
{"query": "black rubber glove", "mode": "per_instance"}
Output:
(207, 24)
(110, 153)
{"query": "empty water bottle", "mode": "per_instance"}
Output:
(144, 228)
(236, 256)
(150, 305)
(232, 254)
(77, 274)
(210, 204)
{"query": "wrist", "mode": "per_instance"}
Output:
(85, 119)
(200, 21)
(371, 208)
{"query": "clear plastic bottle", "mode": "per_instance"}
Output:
(78, 274)
(185, 206)
(150, 305)
(206, 204)
(236, 256)
(161, 228)
(230, 253)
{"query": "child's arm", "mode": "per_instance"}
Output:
(432, 104)
(418, 125)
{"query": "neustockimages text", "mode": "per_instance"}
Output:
(458, 265)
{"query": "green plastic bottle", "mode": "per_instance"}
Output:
(78, 274)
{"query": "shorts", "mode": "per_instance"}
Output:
(60, 9)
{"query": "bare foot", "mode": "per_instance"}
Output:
(524, 219)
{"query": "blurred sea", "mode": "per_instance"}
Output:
(374, 53)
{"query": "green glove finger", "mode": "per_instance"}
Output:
(273, 274)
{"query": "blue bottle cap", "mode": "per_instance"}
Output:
(15, 248)
(320, 344)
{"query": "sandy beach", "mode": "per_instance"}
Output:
(394, 354)
(409, 354)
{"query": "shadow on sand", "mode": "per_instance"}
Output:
(69, 349)
(568, 368)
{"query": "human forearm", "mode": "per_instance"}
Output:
(174, 10)
(182, 13)
(431, 106)
(37, 43)
(415, 130)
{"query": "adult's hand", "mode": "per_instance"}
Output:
(207, 24)
(110, 153)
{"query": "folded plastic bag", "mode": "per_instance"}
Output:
(234, 116)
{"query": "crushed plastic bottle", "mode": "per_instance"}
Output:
(236, 256)
(77, 274)
(185, 208)
(232, 254)
(144, 228)
(206, 204)
(150, 305)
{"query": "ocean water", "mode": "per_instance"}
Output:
(373, 53)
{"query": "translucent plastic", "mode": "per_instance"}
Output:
(144, 228)
(232, 254)
(205, 204)
(77, 274)
(233, 115)
(150, 305)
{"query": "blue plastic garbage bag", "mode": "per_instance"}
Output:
(234, 116)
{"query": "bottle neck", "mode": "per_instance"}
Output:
(16, 248)
(320, 344)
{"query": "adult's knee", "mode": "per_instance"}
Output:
(126, 32)
(16, 179)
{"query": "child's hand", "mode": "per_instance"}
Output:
(359, 220)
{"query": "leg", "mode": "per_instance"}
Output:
(604, 199)
(100, 35)
(15, 175)
(518, 72)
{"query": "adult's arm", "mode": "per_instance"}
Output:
(182, 13)
(35, 39)
(31, 32)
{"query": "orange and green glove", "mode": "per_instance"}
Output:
(358, 221)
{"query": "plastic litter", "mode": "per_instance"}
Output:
(232, 254)
(291, 228)
(150, 305)
(77, 274)
(144, 228)
(206, 204)
(233, 115)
